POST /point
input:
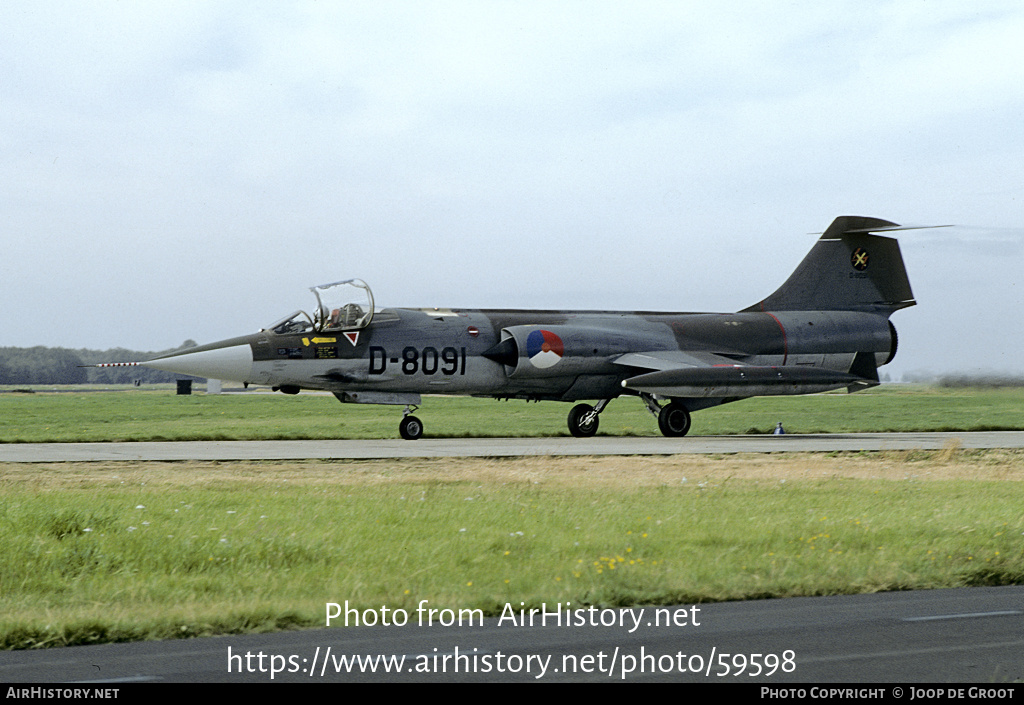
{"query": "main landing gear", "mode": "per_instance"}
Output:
(673, 418)
(410, 428)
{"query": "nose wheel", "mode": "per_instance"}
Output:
(583, 419)
(410, 428)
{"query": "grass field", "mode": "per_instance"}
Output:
(161, 415)
(132, 551)
(96, 552)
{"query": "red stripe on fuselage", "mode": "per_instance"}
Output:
(785, 343)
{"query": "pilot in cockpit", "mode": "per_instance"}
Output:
(345, 317)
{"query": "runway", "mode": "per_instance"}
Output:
(497, 447)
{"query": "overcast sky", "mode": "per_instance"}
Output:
(178, 170)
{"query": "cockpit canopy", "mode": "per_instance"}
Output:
(341, 306)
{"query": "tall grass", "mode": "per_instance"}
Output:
(119, 552)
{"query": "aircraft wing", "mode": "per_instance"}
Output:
(681, 374)
(673, 360)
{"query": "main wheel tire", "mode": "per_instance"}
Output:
(411, 428)
(578, 426)
(674, 420)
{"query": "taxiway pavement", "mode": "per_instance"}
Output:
(497, 447)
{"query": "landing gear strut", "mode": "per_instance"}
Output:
(583, 419)
(411, 427)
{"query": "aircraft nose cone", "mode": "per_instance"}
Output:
(231, 362)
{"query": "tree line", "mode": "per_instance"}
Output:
(43, 365)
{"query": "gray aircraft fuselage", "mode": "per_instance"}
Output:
(419, 351)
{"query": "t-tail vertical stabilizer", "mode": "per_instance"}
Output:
(850, 268)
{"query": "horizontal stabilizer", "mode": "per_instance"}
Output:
(888, 228)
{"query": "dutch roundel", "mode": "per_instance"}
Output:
(544, 348)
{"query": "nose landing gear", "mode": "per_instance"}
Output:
(410, 428)
(583, 419)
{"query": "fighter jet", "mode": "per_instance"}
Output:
(827, 327)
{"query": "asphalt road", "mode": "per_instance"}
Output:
(969, 635)
(497, 447)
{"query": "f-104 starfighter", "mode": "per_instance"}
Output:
(827, 327)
